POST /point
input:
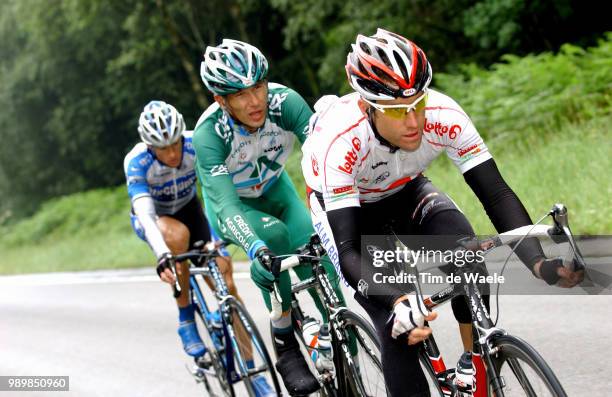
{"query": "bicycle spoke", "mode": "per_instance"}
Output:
(522, 378)
(523, 370)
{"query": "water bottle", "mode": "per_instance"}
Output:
(326, 354)
(464, 376)
(310, 332)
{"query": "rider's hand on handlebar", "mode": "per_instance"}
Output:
(553, 272)
(407, 318)
(265, 269)
(164, 268)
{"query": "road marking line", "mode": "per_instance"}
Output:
(90, 277)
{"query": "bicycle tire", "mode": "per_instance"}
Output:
(261, 355)
(367, 379)
(212, 366)
(430, 374)
(510, 351)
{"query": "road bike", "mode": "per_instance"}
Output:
(357, 369)
(224, 366)
(513, 367)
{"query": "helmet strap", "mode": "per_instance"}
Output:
(383, 141)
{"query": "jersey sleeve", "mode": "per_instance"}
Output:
(295, 114)
(144, 209)
(135, 168)
(464, 145)
(218, 187)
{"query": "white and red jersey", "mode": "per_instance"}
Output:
(343, 159)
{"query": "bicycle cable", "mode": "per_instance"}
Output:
(506, 263)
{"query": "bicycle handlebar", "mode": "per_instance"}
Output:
(312, 249)
(558, 233)
(210, 250)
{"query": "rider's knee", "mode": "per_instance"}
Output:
(277, 237)
(461, 310)
(439, 214)
(175, 233)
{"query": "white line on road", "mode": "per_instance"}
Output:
(144, 275)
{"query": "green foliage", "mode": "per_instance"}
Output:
(450, 32)
(76, 74)
(88, 230)
(92, 212)
(535, 93)
(493, 23)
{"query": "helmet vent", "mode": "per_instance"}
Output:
(402, 67)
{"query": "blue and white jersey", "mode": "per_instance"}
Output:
(170, 188)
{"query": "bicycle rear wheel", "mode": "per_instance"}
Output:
(250, 348)
(363, 371)
(523, 371)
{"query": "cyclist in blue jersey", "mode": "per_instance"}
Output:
(167, 214)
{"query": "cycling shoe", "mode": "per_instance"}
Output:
(192, 343)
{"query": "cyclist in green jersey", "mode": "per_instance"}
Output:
(242, 142)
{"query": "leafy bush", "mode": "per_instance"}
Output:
(521, 99)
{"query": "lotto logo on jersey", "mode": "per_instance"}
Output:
(315, 165)
(442, 129)
(351, 157)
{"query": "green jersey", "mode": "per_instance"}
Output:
(233, 163)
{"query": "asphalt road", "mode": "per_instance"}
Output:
(114, 334)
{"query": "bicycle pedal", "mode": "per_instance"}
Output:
(197, 373)
(203, 362)
(325, 377)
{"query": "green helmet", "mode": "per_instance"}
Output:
(232, 66)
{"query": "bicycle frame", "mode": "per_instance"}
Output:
(481, 320)
(222, 295)
(340, 345)
(221, 292)
(483, 326)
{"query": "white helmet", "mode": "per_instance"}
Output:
(232, 66)
(160, 124)
(387, 66)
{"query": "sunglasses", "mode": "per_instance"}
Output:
(401, 111)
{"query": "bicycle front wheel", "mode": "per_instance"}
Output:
(522, 370)
(251, 358)
(364, 370)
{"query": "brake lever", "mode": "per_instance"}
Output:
(176, 287)
(561, 233)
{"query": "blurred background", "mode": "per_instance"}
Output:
(535, 76)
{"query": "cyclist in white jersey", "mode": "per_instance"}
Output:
(166, 213)
(363, 163)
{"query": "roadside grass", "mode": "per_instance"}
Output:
(572, 167)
